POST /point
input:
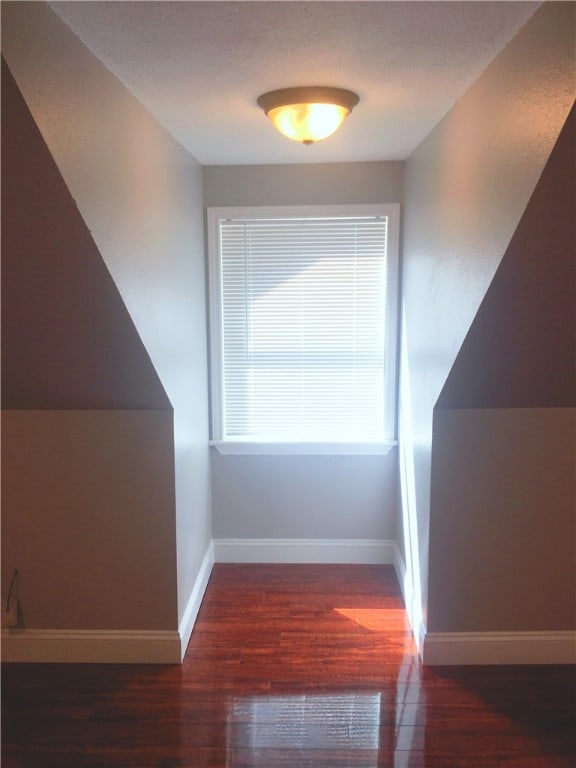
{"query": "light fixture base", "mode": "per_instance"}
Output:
(308, 94)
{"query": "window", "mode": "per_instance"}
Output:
(303, 328)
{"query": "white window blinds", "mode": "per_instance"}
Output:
(302, 321)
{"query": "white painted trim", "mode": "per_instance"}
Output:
(499, 648)
(406, 587)
(91, 646)
(345, 551)
(420, 635)
(256, 448)
(401, 575)
(195, 601)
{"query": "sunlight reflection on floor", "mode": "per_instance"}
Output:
(377, 619)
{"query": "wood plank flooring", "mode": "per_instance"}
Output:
(291, 666)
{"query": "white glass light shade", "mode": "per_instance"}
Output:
(308, 122)
(308, 114)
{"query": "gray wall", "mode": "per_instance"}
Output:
(140, 194)
(88, 518)
(502, 538)
(466, 188)
(308, 497)
(314, 184)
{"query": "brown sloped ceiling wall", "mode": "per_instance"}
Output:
(68, 341)
(520, 350)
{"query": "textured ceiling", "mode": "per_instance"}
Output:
(199, 67)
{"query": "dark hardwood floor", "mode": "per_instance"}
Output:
(291, 666)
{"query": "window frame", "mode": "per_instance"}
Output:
(254, 447)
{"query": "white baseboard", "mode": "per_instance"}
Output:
(475, 648)
(349, 551)
(400, 569)
(191, 612)
(91, 646)
(169, 647)
(406, 587)
(499, 648)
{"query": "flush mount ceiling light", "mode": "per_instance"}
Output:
(308, 114)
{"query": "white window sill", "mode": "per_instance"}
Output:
(256, 448)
